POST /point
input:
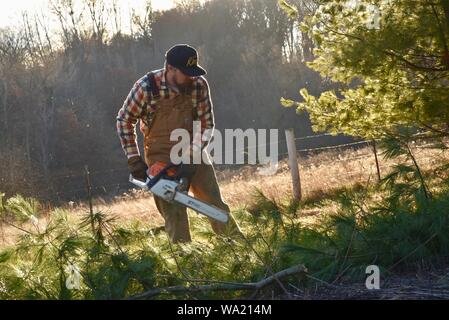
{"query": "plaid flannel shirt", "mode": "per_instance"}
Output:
(140, 105)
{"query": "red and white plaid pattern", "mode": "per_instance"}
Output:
(140, 105)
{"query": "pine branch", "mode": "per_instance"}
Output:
(388, 52)
(256, 286)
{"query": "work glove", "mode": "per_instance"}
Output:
(138, 168)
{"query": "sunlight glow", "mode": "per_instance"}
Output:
(11, 11)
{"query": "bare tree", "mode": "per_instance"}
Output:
(98, 19)
(70, 22)
(115, 13)
(144, 23)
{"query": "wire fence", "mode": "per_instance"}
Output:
(79, 189)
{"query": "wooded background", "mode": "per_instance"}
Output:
(60, 90)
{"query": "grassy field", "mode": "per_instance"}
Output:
(345, 222)
(322, 174)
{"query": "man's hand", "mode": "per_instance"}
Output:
(138, 168)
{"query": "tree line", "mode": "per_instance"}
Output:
(61, 89)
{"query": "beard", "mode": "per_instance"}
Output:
(185, 87)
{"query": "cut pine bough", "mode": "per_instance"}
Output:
(223, 286)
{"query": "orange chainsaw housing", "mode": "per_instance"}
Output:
(158, 167)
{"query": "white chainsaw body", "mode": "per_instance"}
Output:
(169, 191)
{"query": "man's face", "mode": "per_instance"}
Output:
(181, 80)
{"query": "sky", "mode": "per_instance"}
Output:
(10, 10)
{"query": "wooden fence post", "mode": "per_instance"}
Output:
(89, 195)
(377, 160)
(293, 163)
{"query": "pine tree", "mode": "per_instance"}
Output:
(390, 62)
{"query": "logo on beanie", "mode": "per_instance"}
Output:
(193, 61)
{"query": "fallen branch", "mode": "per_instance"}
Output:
(300, 269)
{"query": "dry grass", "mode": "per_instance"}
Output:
(322, 174)
(134, 205)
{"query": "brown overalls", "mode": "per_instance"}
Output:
(173, 113)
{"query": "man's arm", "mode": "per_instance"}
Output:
(128, 116)
(205, 114)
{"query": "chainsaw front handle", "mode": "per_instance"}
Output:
(149, 183)
(139, 183)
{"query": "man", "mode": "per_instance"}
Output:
(165, 100)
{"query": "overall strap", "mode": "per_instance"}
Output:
(154, 88)
(155, 94)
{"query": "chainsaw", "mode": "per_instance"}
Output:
(174, 191)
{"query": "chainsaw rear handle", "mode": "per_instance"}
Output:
(163, 174)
